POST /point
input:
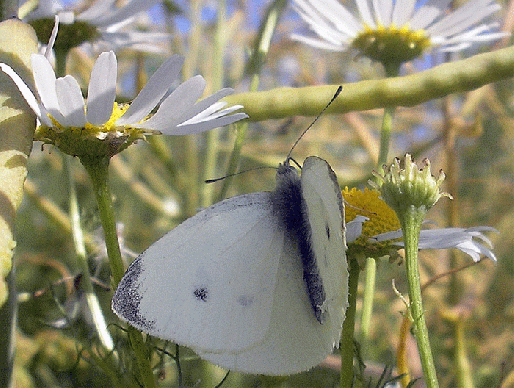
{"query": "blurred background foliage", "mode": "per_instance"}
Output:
(470, 136)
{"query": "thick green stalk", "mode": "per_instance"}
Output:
(98, 169)
(347, 335)
(17, 124)
(410, 90)
(411, 225)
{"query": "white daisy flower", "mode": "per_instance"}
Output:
(107, 127)
(380, 233)
(397, 30)
(104, 23)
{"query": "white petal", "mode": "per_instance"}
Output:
(330, 12)
(365, 12)
(186, 129)
(71, 102)
(23, 88)
(319, 43)
(130, 9)
(66, 17)
(97, 10)
(383, 11)
(102, 89)
(386, 236)
(44, 78)
(402, 12)
(211, 112)
(176, 105)
(463, 17)
(331, 22)
(447, 238)
(153, 91)
(46, 9)
(354, 228)
(53, 36)
(205, 104)
(428, 13)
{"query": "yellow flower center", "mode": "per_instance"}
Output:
(391, 45)
(117, 112)
(91, 141)
(381, 219)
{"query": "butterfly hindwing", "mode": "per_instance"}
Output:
(296, 340)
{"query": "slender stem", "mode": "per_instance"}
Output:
(385, 136)
(346, 346)
(98, 172)
(212, 137)
(411, 226)
(462, 364)
(253, 68)
(369, 293)
(392, 70)
(402, 364)
(80, 250)
(192, 169)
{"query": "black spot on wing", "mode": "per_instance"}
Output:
(127, 298)
(245, 300)
(327, 229)
(201, 293)
(290, 208)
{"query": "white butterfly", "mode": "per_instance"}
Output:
(257, 283)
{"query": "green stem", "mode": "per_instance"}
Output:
(369, 293)
(410, 90)
(253, 68)
(212, 137)
(98, 170)
(463, 366)
(80, 250)
(346, 346)
(385, 136)
(392, 70)
(192, 169)
(411, 226)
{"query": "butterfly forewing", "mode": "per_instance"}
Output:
(325, 212)
(209, 282)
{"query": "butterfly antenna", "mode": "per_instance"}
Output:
(234, 174)
(338, 91)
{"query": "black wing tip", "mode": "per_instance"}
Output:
(127, 298)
